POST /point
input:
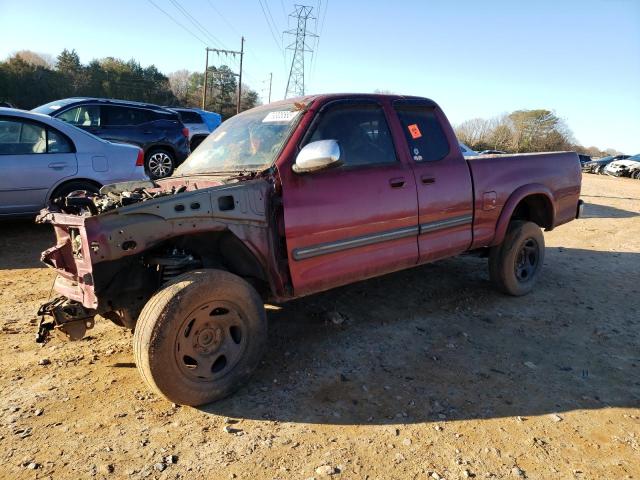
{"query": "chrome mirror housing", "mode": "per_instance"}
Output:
(317, 156)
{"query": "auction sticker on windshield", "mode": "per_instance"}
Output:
(280, 116)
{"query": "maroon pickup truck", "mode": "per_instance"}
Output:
(286, 200)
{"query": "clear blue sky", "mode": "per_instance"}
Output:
(580, 58)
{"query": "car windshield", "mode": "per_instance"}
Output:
(248, 141)
(49, 108)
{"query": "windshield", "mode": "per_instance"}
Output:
(248, 141)
(49, 108)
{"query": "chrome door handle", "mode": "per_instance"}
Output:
(396, 182)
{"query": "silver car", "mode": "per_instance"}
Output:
(42, 158)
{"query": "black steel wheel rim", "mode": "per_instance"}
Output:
(210, 341)
(527, 260)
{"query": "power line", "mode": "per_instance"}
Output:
(197, 24)
(177, 22)
(264, 13)
(275, 25)
(223, 17)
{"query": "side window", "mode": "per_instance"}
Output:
(360, 130)
(137, 116)
(123, 116)
(84, 116)
(425, 137)
(188, 116)
(57, 143)
(114, 116)
(21, 138)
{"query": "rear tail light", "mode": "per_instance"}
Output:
(140, 159)
(185, 132)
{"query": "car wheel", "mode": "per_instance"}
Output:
(66, 188)
(636, 175)
(199, 338)
(515, 264)
(159, 163)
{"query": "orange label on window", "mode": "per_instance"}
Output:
(414, 131)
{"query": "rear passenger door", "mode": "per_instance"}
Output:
(356, 220)
(125, 124)
(443, 180)
(33, 158)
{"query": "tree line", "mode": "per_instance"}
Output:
(29, 79)
(523, 131)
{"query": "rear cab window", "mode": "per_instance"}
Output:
(425, 137)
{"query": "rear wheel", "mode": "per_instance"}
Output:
(66, 188)
(160, 163)
(200, 337)
(515, 264)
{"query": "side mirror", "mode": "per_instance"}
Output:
(317, 156)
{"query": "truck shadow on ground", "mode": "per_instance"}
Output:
(594, 210)
(15, 236)
(437, 343)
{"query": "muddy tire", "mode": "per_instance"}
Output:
(199, 338)
(515, 264)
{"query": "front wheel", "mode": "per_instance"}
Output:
(199, 338)
(515, 264)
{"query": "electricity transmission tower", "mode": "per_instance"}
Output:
(295, 84)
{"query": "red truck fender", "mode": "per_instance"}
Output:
(538, 198)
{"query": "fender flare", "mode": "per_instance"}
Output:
(514, 200)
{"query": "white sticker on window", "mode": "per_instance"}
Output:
(280, 116)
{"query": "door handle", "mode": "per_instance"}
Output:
(57, 165)
(427, 180)
(396, 182)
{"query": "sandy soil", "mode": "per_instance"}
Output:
(432, 375)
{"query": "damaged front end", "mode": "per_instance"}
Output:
(115, 249)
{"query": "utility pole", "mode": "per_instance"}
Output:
(206, 80)
(270, 81)
(239, 75)
(295, 83)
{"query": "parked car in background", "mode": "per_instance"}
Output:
(467, 151)
(157, 130)
(42, 158)
(597, 165)
(492, 152)
(199, 122)
(584, 158)
(624, 168)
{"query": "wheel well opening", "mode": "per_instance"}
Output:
(222, 250)
(55, 191)
(535, 208)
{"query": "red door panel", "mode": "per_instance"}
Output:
(443, 180)
(352, 222)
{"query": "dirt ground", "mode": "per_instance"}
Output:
(432, 374)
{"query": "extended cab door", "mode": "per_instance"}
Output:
(356, 220)
(445, 190)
